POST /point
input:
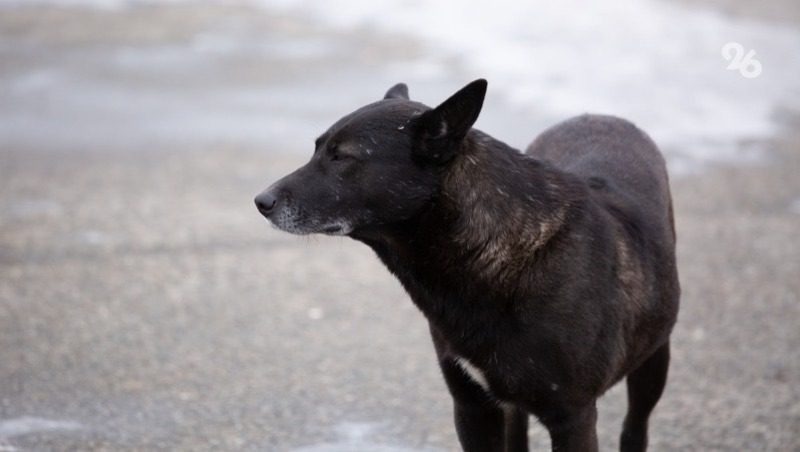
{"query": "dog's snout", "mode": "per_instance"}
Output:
(265, 202)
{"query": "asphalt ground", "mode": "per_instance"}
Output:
(146, 305)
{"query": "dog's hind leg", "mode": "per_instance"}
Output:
(645, 385)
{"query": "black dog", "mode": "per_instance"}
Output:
(546, 277)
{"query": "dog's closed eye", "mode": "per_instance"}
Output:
(339, 152)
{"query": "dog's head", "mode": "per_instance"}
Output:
(377, 166)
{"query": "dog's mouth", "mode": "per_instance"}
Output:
(294, 223)
(333, 229)
(337, 228)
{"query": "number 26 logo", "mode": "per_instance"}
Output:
(745, 63)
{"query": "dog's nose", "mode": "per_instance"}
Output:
(265, 202)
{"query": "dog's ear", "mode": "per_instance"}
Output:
(399, 91)
(439, 131)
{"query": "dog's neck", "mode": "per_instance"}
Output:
(505, 206)
(497, 209)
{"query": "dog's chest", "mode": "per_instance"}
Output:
(479, 378)
(501, 389)
(475, 374)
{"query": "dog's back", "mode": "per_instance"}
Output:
(619, 161)
(627, 177)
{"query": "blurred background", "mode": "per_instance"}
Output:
(146, 305)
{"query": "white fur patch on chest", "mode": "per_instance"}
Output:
(473, 372)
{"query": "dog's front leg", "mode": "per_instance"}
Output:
(573, 430)
(484, 424)
(489, 428)
(480, 428)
